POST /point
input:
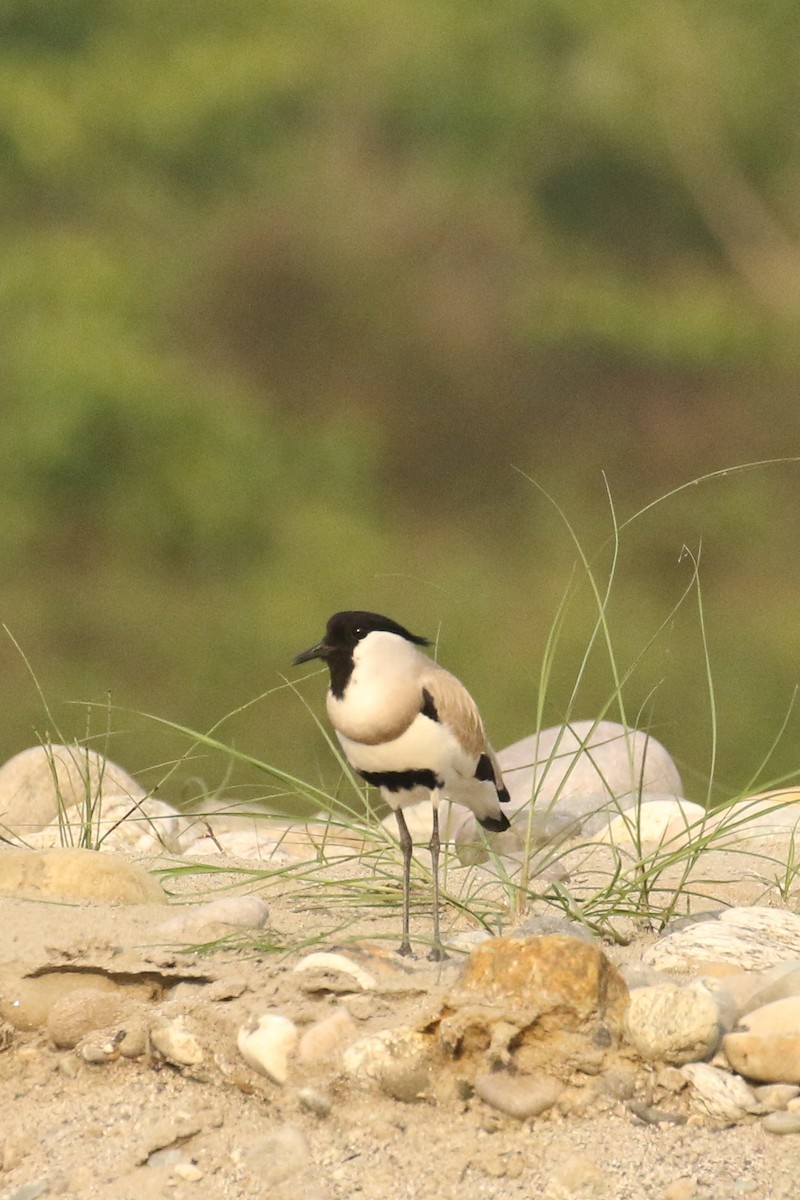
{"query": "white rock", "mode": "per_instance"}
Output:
(233, 912)
(677, 1024)
(572, 771)
(721, 1095)
(266, 1044)
(666, 823)
(328, 965)
(751, 938)
(39, 783)
(374, 1057)
(176, 1043)
(116, 823)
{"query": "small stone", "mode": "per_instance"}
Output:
(673, 1023)
(776, 1096)
(278, 1155)
(670, 1079)
(519, 1096)
(97, 1050)
(619, 1082)
(315, 1101)
(407, 1082)
(681, 1189)
(31, 1191)
(176, 1043)
(782, 1122)
(266, 1044)
(188, 1171)
(320, 1040)
(722, 1096)
(582, 1178)
(205, 921)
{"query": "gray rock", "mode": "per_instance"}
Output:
(782, 1122)
(520, 1096)
(549, 923)
(278, 1155)
(779, 983)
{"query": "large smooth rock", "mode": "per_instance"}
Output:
(115, 823)
(750, 938)
(560, 779)
(674, 1024)
(39, 783)
(766, 1044)
(72, 874)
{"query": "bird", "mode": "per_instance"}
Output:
(410, 728)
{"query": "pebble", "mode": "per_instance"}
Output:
(315, 1101)
(319, 1041)
(782, 1122)
(199, 921)
(176, 1043)
(678, 1024)
(31, 1191)
(278, 1155)
(266, 1044)
(721, 1095)
(775, 1096)
(519, 1096)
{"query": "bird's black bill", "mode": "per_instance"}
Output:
(318, 651)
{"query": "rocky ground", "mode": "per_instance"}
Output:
(169, 1031)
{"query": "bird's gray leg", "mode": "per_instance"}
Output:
(406, 847)
(437, 951)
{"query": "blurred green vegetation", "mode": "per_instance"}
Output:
(288, 290)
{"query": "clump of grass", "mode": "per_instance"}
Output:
(648, 884)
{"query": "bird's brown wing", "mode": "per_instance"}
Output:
(454, 707)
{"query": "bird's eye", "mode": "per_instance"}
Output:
(359, 632)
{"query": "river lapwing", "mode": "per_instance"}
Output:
(409, 727)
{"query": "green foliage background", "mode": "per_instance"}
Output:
(287, 290)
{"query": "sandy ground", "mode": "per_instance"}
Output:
(140, 1128)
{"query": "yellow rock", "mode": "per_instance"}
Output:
(72, 874)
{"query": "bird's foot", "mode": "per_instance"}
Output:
(437, 954)
(405, 949)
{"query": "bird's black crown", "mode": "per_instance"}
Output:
(345, 629)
